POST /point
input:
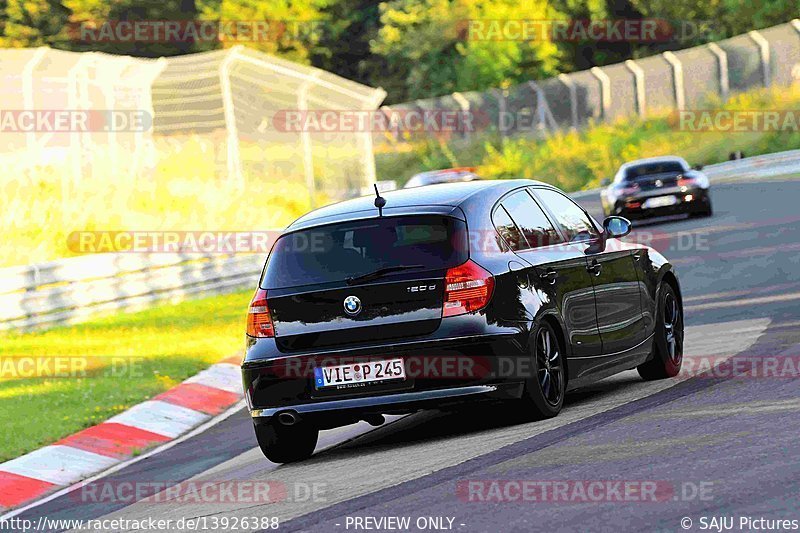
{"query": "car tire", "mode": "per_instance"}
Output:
(286, 444)
(668, 338)
(543, 395)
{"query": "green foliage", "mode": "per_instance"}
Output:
(441, 46)
(294, 24)
(411, 48)
(725, 17)
(28, 23)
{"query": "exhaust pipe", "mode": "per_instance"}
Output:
(288, 418)
(374, 420)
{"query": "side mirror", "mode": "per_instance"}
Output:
(605, 182)
(617, 227)
(698, 167)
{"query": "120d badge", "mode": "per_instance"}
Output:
(421, 288)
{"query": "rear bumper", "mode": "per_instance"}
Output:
(690, 201)
(356, 408)
(485, 362)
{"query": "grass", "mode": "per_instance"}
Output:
(161, 347)
(579, 160)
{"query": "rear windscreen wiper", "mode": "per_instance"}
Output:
(380, 273)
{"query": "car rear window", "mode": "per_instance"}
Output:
(638, 171)
(338, 251)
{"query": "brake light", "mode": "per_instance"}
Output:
(686, 182)
(468, 288)
(629, 189)
(259, 323)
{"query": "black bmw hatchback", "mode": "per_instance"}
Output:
(488, 290)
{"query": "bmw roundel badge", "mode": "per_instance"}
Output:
(352, 305)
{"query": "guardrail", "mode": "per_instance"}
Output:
(71, 289)
(757, 166)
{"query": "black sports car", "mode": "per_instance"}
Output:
(487, 290)
(655, 187)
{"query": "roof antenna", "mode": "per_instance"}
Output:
(380, 201)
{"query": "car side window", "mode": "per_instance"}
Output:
(573, 221)
(508, 230)
(531, 220)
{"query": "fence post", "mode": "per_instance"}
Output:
(463, 103)
(27, 96)
(573, 98)
(638, 77)
(796, 69)
(605, 90)
(305, 142)
(763, 49)
(546, 120)
(677, 75)
(501, 109)
(146, 88)
(722, 63)
(367, 156)
(233, 158)
(76, 92)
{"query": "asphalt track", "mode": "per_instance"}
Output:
(722, 444)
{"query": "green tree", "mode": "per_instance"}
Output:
(295, 26)
(344, 41)
(28, 23)
(439, 46)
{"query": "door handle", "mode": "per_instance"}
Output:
(595, 267)
(550, 276)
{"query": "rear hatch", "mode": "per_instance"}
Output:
(654, 176)
(359, 281)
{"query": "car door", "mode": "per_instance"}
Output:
(613, 273)
(556, 270)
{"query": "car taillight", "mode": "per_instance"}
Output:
(259, 323)
(468, 288)
(630, 189)
(686, 182)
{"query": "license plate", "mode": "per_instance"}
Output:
(660, 201)
(357, 374)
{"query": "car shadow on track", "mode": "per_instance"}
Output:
(434, 425)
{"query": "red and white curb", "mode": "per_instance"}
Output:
(98, 448)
